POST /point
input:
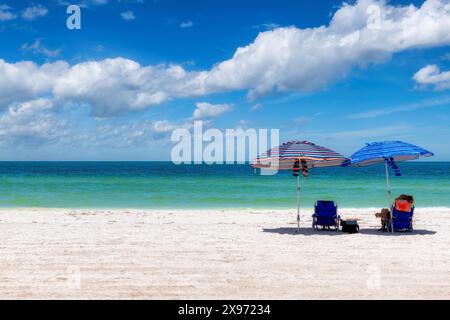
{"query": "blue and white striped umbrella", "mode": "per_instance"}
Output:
(387, 152)
(379, 152)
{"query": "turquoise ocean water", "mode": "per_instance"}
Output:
(165, 185)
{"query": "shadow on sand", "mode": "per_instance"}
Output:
(371, 232)
(376, 232)
(303, 231)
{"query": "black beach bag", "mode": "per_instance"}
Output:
(350, 226)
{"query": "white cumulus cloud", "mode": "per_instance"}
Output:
(206, 110)
(309, 59)
(433, 76)
(31, 123)
(282, 59)
(38, 48)
(34, 12)
(128, 15)
(186, 24)
(116, 86)
(23, 81)
(6, 14)
(256, 107)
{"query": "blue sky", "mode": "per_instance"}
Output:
(317, 70)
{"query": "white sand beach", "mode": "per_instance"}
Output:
(217, 254)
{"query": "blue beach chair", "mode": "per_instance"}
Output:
(402, 220)
(325, 215)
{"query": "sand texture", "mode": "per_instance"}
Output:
(217, 254)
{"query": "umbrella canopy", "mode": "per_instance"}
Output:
(379, 152)
(289, 155)
(388, 152)
(284, 156)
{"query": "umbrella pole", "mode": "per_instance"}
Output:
(388, 189)
(298, 203)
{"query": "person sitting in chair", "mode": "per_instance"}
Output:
(402, 203)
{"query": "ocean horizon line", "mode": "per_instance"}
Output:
(169, 161)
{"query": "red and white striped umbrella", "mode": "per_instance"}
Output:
(284, 156)
(293, 155)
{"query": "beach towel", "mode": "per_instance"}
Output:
(305, 171)
(391, 162)
(296, 168)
